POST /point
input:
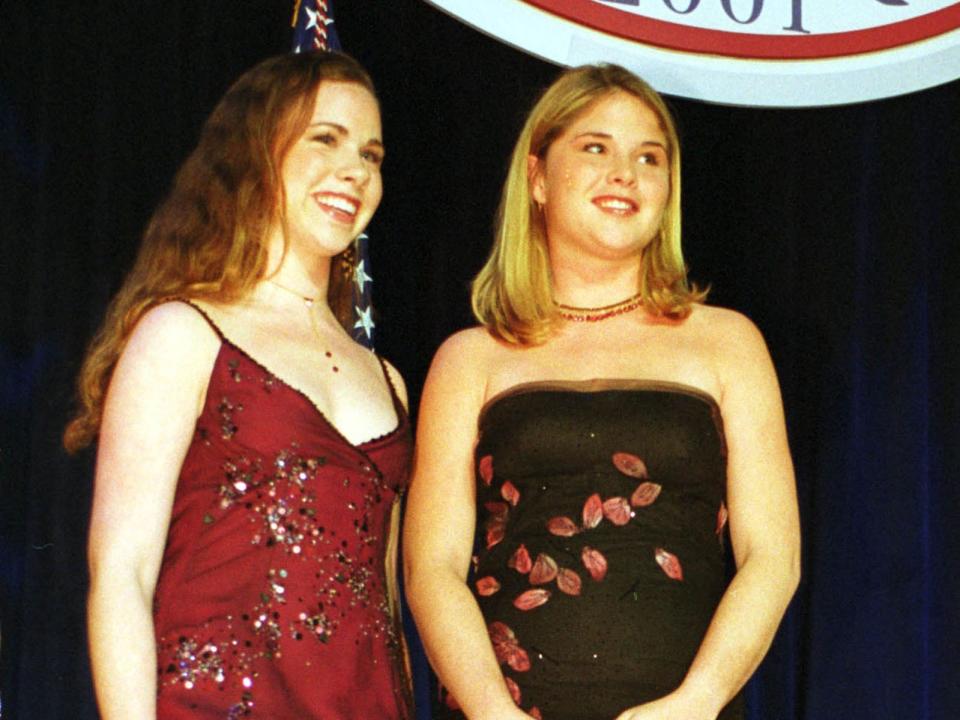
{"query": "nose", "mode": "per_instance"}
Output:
(622, 171)
(352, 167)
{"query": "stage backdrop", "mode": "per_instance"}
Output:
(834, 229)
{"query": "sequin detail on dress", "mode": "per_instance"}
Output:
(272, 599)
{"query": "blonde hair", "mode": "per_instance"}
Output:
(207, 239)
(511, 294)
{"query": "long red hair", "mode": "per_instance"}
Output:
(207, 239)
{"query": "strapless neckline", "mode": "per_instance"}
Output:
(596, 385)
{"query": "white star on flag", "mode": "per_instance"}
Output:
(365, 321)
(360, 276)
(314, 16)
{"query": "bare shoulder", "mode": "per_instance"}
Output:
(466, 352)
(740, 357)
(160, 381)
(173, 332)
(175, 320)
(459, 373)
(728, 331)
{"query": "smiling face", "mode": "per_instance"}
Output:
(605, 180)
(331, 174)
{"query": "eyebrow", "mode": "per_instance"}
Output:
(343, 131)
(608, 136)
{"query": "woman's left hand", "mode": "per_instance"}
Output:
(670, 707)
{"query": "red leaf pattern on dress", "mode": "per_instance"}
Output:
(497, 522)
(645, 494)
(500, 634)
(595, 563)
(520, 560)
(592, 512)
(510, 493)
(519, 660)
(569, 581)
(721, 517)
(506, 647)
(617, 510)
(544, 570)
(498, 509)
(487, 586)
(531, 599)
(495, 532)
(562, 526)
(630, 464)
(670, 564)
(486, 469)
(514, 689)
(496, 528)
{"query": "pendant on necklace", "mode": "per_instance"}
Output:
(308, 301)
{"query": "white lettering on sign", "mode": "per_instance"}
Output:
(770, 17)
(785, 53)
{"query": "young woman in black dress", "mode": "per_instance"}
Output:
(580, 454)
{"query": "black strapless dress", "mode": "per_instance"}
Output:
(600, 541)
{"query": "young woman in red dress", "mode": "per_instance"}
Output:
(250, 453)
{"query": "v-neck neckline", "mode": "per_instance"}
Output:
(398, 408)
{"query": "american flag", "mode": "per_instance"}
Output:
(314, 29)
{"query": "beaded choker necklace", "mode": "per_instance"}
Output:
(579, 314)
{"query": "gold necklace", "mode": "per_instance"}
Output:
(308, 302)
(581, 314)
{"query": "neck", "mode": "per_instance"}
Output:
(308, 278)
(282, 297)
(591, 282)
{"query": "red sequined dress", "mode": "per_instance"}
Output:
(271, 601)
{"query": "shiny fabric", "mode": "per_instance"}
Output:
(271, 601)
(601, 530)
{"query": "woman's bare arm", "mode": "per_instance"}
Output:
(439, 532)
(155, 396)
(764, 530)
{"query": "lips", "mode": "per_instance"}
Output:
(615, 204)
(341, 207)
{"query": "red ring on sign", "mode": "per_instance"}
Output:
(674, 36)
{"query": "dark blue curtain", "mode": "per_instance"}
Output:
(835, 229)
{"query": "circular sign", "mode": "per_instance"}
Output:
(783, 53)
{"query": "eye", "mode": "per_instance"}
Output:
(595, 148)
(653, 158)
(372, 156)
(325, 138)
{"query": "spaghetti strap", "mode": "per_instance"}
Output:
(397, 405)
(203, 313)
